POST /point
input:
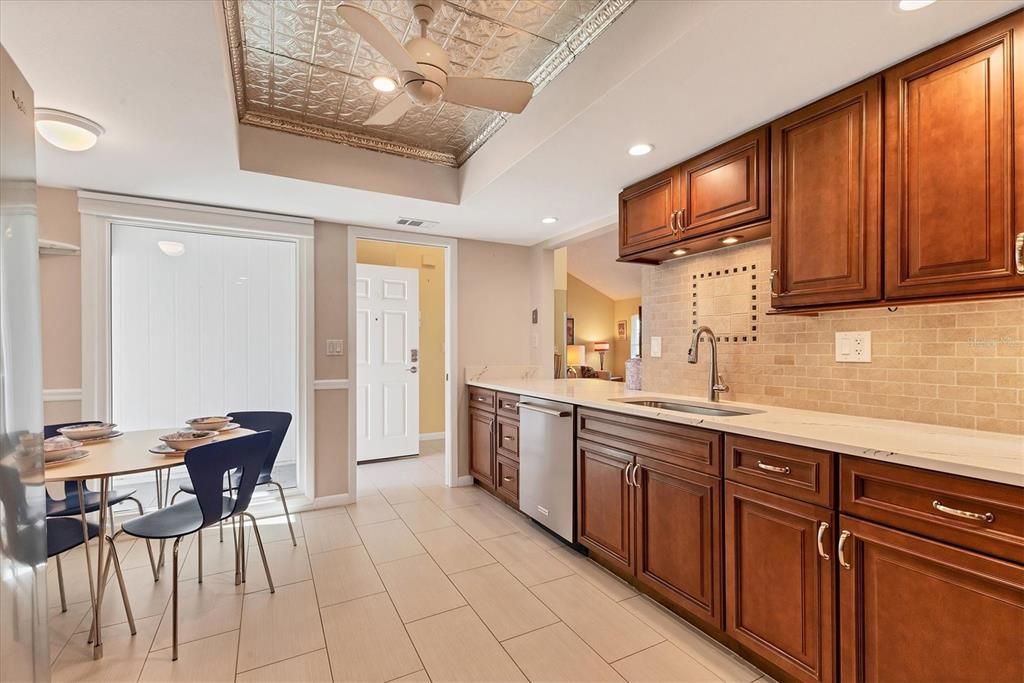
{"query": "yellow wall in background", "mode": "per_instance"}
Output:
(430, 263)
(593, 316)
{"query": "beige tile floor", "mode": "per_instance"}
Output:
(413, 582)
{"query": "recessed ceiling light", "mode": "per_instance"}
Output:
(911, 5)
(549, 220)
(171, 248)
(640, 150)
(384, 83)
(67, 131)
(679, 252)
(730, 240)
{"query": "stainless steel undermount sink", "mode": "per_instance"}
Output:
(694, 408)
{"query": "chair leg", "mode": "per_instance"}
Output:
(243, 558)
(60, 585)
(149, 545)
(120, 581)
(263, 555)
(174, 602)
(200, 541)
(288, 518)
(220, 524)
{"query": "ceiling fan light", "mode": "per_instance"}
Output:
(383, 84)
(67, 131)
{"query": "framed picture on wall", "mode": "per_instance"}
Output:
(620, 330)
(570, 330)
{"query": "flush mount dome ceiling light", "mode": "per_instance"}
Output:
(383, 84)
(67, 131)
(640, 149)
(912, 5)
(171, 248)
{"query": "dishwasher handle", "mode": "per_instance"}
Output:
(541, 409)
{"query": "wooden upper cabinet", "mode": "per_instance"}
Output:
(918, 611)
(826, 200)
(727, 186)
(954, 129)
(605, 501)
(481, 446)
(649, 213)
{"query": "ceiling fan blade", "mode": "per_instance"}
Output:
(489, 93)
(390, 112)
(377, 34)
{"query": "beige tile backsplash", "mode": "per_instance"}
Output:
(957, 364)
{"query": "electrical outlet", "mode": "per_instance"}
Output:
(853, 347)
(655, 347)
(335, 347)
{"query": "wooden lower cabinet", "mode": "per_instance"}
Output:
(678, 537)
(918, 611)
(481, 447)
(605, 504)
(779, 588)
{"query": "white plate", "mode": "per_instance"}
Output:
(68, 457)
(230, 427)
(105, 437)
(164, 449)
(84, 432)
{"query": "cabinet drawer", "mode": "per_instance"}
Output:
(508, 438)
(481, 399)
(794, 471)
(507, 405)
(979, 515)
(695, 449)
(506, 484)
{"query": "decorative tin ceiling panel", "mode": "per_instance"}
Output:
(298, 68)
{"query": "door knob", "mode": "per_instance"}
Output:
(413, 370)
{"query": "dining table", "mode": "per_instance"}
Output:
(127, 453)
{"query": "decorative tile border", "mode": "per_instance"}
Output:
(722, 273)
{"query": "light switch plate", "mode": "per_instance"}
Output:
(335, 347)
(655, 347)
(853, 347)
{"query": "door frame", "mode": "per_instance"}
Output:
(451, 260)
(98, 211)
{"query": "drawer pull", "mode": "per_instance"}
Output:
(976, 516)
(822, 528)
(772, 468)
(506, 478)
(506, 438)
(839, 550)
(483, 400)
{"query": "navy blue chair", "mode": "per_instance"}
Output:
(277, 424)
(70, 505)
(240, 459)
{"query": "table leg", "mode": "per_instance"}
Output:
(160, 501)
(88, 560)
(97, 650)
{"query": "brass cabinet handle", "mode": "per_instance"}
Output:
(976, 516)
(1018, 253)
(506, 478)
(772, 468)
(506, 438)
(672, 222)
(822, 528)
(679, 220)
(481, 399)
(839, 550)
(636, 470)
(771, 281)
(629, 482)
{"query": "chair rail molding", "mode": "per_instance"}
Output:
(55, 395)
(98, 211)
(331, 384)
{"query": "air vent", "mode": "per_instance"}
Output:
(415, 222)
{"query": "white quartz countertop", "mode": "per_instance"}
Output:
(983, 455)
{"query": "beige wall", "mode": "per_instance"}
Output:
(593, 316)
(429, 261)
(958, 364)
(625, 309)
(61, 295)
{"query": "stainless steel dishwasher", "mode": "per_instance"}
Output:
(546, 464)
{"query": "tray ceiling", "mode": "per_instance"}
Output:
(296, 67)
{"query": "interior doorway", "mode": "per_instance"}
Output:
(399, 349)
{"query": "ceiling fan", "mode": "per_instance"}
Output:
(423, 67)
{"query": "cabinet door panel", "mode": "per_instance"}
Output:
(779, 590)
(727, 186)
(604, 497)
(678, 531)
(481, 447)
(826, 213)
(954, 128)
(918, 611)
(646, 212)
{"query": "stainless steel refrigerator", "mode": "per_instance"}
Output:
(24, 652)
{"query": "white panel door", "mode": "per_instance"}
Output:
(387, 361)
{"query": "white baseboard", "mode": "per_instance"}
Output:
(333, 501)
(430, 436)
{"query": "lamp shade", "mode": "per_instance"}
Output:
(602, 346)
(575, 354)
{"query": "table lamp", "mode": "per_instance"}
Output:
(602, 348)
(575, 354)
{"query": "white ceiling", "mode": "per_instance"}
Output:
(593, 260)
(682, 75)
